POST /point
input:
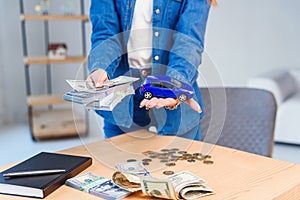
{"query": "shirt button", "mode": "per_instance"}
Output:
(156, 58)
(144, 72)
(157, 11)
(156, 33)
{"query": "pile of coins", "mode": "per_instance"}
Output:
(171, 156)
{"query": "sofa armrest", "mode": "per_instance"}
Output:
(280, 82)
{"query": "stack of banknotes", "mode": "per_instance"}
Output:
(97, 185)
(133, 176)
(105, 98)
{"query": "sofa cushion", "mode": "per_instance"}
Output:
(296, 75)
(280, 82)
(288, 120)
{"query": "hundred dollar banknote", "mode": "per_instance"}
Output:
(105, 98)
(97, 185)
(182, 185)
(89, 86)
(189, 186)
(158, 187)
(136, 167)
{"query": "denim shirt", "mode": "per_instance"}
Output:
(177, 45)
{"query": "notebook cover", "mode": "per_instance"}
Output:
(47, 183)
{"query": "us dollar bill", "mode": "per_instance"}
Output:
(89, 86)
(82, 85)
(160, 188)
(182, 185)
(195, 192)
(185, 178)
(136, 167)
(189, 186)
(129, 182)
(97, 185)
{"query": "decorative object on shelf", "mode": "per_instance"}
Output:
(57, 51)
(43, 7)
(68, 8)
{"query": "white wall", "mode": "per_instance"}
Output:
(244, 38)
(1, 67)
(12, 78)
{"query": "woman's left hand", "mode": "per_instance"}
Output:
(162, 102)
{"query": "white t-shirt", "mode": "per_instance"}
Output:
(139, 45)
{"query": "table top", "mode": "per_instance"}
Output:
(233, 175)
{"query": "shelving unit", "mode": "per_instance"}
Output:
(52, 122)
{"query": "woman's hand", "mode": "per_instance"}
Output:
(98, 77)
(161, 102)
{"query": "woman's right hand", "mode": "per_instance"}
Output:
(98, 77)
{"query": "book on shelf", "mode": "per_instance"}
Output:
(41, 185)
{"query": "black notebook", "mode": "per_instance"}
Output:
(40, 186)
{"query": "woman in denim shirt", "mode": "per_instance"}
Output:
(176, 44)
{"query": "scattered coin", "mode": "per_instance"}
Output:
(208, 162)
(154, 156)
(197, 154)
(147, 160)
(164, 150)
(181, 158)
(191, 160)
(176, 154)
(163, 157)
(131, 160)
(168, 172)
(199, 158)
(207, 156)
(151, 152)
(174, 157)
(174, 149)
(164, 160)
(145, 163)
(181, 152)
(170, 164)
(148, 152)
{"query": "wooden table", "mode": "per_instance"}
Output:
(234, 174)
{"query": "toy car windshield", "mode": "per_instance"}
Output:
(165, 87)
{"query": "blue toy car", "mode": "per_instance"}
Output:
(165, 87)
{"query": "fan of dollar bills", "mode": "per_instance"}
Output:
(104, 98)
(133, 176)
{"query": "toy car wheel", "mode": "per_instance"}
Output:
(148, 95)
(182, 97)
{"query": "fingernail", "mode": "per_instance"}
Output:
(199, 110)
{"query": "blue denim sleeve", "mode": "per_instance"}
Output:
(185, 54)
(106, 46)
